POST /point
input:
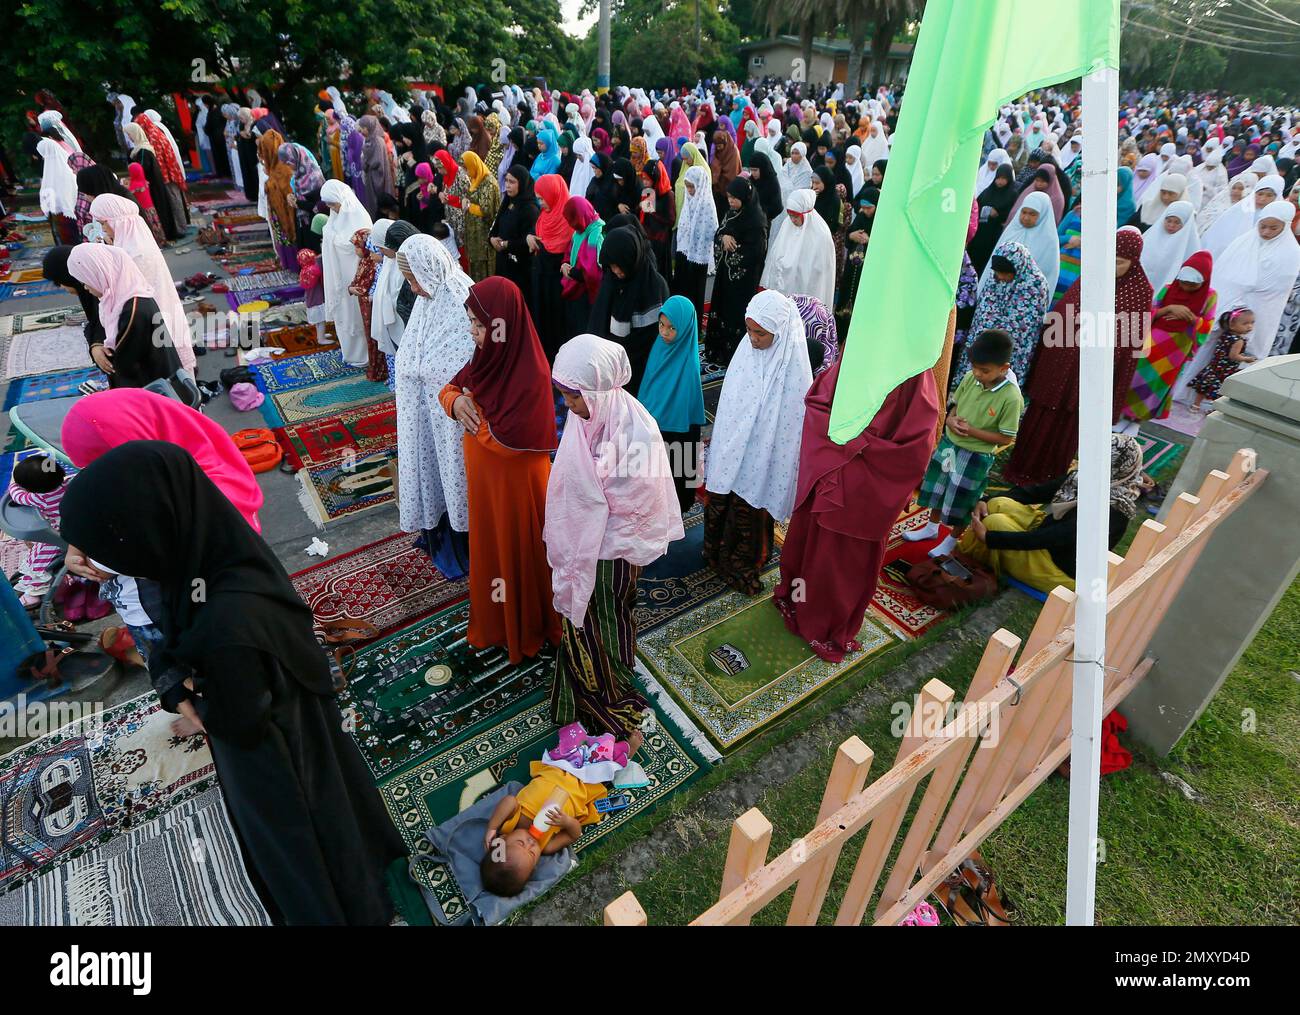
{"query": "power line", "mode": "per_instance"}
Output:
(1188, 33)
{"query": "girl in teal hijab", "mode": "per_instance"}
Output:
(1126, 205)
(672, 393)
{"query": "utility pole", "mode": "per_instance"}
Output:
(602, 61)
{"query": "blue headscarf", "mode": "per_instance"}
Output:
(738, 111)
(671, 389)
(1126, 205)
(549, 160)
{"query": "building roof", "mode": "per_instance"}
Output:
(825, 46)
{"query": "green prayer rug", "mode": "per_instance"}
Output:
(426, 688)
(735, 667)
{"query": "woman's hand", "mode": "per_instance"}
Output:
(624, 209)
(729, 243)
(565, 268)
(465, 412)
(533, 243)
(103, 358)
(981, 511)
(978, 527)
(858, 236)
(80, 565)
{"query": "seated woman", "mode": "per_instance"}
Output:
(1017, 539)
(610, 511)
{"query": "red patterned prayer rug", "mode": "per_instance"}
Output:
(389, 583)
(325, 441)
(893, 599)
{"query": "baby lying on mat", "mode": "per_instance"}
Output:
(551, 811)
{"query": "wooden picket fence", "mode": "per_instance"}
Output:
(1020, 723)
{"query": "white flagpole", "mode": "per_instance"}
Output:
(1096, 372)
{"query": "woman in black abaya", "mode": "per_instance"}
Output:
(315, 837)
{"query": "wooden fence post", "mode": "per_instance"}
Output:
(751, 834)
(848, 776)
(625, 911)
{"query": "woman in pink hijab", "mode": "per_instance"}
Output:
(99, 422)
(611, 509)
(126, 230)
(129, 313)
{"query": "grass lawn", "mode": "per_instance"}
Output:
(1232, 856)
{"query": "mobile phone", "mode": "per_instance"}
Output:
(954, 568)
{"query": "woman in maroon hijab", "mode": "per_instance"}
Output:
(848, 498)
(502, 397)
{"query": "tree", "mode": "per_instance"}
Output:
(647, 44)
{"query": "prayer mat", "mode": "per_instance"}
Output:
(324, 398)
(15, 441)
(268, 280)
(908, 616)
(679, 580)
(279, 374)
(426, 688)
(89, 782)
(1156, 452)
(389, 583)
(43, 386)
(27, 290)
(348, 486)
(358, 433)
(735, 668)
(34, 320)
(299, 339)
(183, 869)
(712, 392)
(47, 351)
(452, 780)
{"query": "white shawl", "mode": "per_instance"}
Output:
(339, 265)
(699, 220)
(58, 182)
(802, 258)
(1163, 253)
(758, 429)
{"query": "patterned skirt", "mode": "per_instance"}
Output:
(737, 541)
(593, 681)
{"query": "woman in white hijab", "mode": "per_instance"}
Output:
(1224, 200)
(1169, 243)
(1039, 236)
(125, 229)
(1259, 271)
(58, 190)
(802, 257)
(853, 163)
(52, 119)
(339, 264)
(386, 325)
(875, 147)
(1192, 189)
(582, 172)
(1212, 177)
(1241, 218)
(1169, 188)
(989, 169)
(753, 457)
(435, 345)
(796, 173)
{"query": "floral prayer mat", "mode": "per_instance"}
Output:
(426, 688)
(389, 583)
(322, 397)
(735, 668)
(908, 616)
(456, 777)
(91, 781)
(46, 351)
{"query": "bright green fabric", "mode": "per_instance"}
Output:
(970, 60)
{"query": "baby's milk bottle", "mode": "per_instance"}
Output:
(542, 823)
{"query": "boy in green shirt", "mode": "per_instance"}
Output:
(983, 416)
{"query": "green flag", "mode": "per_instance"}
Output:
(970, 60)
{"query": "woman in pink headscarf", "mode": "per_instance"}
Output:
(99, 422)
(126, 230)
(611, 509)
(132, 354)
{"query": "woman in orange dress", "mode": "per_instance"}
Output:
(503, 399)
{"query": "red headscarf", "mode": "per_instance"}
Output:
(162, 151)
(510, 379)
(1176, 296)
(449, 166)
(552, 228)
